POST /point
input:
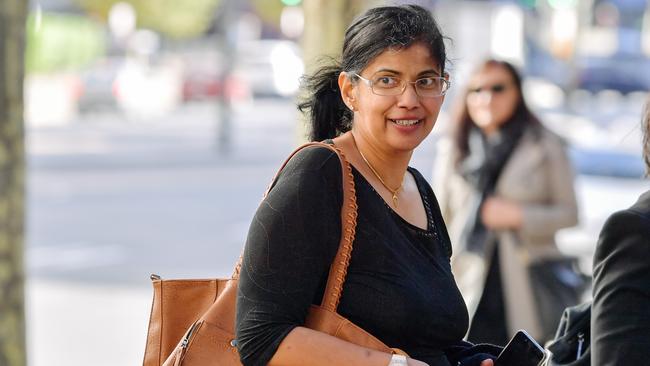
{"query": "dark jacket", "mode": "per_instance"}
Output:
(620, 322)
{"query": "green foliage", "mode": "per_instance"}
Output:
(62, 42)
(173, 18)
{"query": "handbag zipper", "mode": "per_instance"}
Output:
(180, 353)
(188, 336)
(581, 340)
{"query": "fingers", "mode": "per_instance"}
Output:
(487, 362)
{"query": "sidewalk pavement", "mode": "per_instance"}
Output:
(72, 324)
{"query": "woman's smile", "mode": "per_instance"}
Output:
(405, 122)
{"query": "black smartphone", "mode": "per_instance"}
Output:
(522, 350)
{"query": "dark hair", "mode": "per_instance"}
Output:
(645, 126)
(462, 121)
(369, 35)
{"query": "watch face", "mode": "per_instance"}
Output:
(398, 360)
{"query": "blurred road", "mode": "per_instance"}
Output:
(111, 201)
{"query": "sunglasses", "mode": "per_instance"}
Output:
(494, 89)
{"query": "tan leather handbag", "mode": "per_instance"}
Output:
(201, 313)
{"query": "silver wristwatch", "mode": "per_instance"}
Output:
(398, 360)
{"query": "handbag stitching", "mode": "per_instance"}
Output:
(349, 235)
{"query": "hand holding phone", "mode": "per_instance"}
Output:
(522, 350)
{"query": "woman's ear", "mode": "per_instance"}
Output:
(347, 88)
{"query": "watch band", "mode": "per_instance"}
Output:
(398, 360)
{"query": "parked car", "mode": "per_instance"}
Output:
(203, 78)
(200, 85)
(622, 72)
(607, 162)
(625, 73)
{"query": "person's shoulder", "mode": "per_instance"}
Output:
(631, 223)
(315, 158)
(625, 236)
(639, 212)
(547, 141)
(313, 171)
(642, 206)
(624, 221)
(548, 137)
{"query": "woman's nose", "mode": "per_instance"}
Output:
(484, 97)
(409, 98)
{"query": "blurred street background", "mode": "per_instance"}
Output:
(153, 127)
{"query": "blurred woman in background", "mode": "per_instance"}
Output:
(505, 186)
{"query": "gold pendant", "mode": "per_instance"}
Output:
(395, 199)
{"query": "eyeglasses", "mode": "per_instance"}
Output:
(494, 89)
(386, 85)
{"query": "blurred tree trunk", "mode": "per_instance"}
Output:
(325, 25)
(12, 310)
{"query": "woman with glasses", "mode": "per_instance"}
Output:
(505, 186)
(377, 105)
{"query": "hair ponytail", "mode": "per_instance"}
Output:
(328, 115)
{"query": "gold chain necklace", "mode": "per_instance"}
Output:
(395, 191)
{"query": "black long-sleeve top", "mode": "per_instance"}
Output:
(620, 320)
(399, 285)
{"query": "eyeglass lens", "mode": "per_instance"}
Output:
(390, 85)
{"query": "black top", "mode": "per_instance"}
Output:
(620, 314)
(399, 285)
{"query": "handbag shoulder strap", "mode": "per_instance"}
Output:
(339, 266)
